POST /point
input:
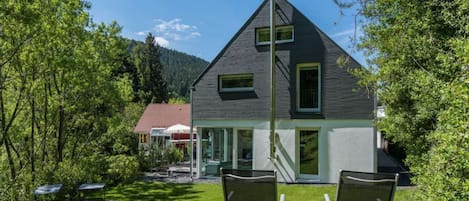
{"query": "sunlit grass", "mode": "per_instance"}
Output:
(213, 192)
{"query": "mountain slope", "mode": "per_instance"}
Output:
(179, 69)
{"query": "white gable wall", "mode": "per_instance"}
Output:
(343, 144)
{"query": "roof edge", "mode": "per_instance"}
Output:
(324, 33)
(220, 54)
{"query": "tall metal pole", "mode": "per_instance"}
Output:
(191, 136)
(272, 78)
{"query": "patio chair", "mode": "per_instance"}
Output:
(89, 188)
(365, 186)
(249, 185)
(48, 190)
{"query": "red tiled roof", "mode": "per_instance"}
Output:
(163, 116)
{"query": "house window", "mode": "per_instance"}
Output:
(144, 138)
(284, 35)
(236, 83)
(308, 87)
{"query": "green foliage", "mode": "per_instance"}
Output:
(177, 100)
(173, 154)
(419, 62)
(158, 157)
(444, 174)
(73, 173)
(62, 114)
(122, 169)
(144, 161)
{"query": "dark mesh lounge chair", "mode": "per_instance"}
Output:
(362, 186)
(249, 185)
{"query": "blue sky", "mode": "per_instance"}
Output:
(202, 28)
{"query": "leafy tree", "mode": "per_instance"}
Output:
(419, 67)
(57, 96)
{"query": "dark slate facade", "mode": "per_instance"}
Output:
(339, 99)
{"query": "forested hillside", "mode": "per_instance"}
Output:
(179, 69)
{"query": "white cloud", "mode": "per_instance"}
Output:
(140, 33)
(348, 32)
(348, 38)
(175, 29)
(181, 27)
(195, 34)
(161, 41)
(168, 31)
(172, 25)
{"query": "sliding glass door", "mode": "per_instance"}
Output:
(227, 148)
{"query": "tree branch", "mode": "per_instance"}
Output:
(15, 51)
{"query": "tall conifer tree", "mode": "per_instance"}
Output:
(153, 88)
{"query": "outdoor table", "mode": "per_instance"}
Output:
(92, 187)
(47, 189)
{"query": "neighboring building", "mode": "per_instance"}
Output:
(381, 142)
(324, 122)
(158, 117)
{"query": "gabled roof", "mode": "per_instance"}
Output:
(247, 23)
(163, 116)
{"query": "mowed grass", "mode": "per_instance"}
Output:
(213, 192)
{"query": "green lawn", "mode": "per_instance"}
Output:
(213, 192)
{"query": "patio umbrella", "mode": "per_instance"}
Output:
(177, 128)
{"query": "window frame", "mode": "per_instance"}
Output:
(258, 30)
(299, 67)
(235, 89)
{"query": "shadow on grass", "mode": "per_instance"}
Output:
(153, 191)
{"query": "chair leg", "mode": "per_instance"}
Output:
(326, 197)
(282, 197)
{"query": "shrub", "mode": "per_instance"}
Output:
(122, 169)
(173, 154)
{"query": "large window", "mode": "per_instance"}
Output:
(236, 82)
(308, 87)
(284, 34)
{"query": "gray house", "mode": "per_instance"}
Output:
(323, 123)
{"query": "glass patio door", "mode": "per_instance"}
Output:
(226, 148)
(308, 153)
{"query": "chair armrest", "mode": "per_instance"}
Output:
(282, 197)
(326, 197)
